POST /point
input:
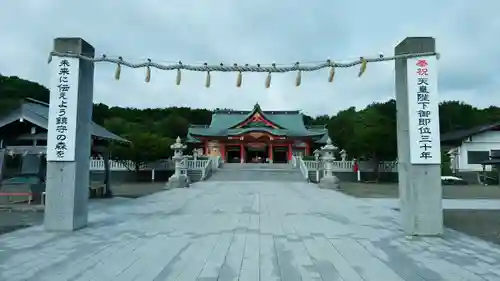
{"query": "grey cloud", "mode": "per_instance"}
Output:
(257, 31)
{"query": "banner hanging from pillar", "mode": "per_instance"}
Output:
(62, 109)
(423, 110)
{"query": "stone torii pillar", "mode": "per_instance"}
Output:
(420, 190)
(68, 136)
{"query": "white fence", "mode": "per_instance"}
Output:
(348, 166)
(98, 165)
(338, 166)
(168, 164)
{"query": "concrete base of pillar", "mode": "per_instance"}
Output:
(329, 182)
(177, 182)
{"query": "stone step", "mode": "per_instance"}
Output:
(256, 166)
(257, 175)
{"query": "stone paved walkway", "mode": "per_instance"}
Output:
(245, 231)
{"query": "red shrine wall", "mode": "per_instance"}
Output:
(219, 146)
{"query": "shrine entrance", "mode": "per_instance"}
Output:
(280, 154)
(233, 154)
(256, 153)
(417, 101)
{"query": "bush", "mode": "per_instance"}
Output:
(308, 158)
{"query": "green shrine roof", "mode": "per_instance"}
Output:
(278, 123)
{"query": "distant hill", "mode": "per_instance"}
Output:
(13, 89)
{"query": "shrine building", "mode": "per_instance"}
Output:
(257, 136)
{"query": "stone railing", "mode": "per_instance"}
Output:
(348, 166)
(303, 168)
(185, 166)
(98, 165)
(294, 161)
(217, 161)
(207, 169)
(197, 164)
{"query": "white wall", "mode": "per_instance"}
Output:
(482, 142)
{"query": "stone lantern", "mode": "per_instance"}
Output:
(329, 181)
(177, 179)
(343, 155)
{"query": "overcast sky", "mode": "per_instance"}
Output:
(258, 31)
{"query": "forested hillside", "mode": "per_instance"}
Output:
(368, 132)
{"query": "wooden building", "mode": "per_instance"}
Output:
(23, 134)
(257, 136)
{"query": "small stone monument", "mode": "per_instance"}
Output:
(316, 154)
(177, 180)
(195, 154)
(329, 181)
(343, 155)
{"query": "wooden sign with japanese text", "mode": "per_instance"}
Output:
(423, 110)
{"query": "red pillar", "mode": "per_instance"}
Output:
(206, 148)
(290, 152)
(270, 153)
(222, 151)
(308, 149)
(242, 153)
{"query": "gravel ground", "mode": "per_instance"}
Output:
(484, 224)
(24, 215)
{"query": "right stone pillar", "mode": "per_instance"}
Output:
(419, 166)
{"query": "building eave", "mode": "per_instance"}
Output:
(40, 118)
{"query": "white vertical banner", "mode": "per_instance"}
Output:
(423, 110)
(61, 132)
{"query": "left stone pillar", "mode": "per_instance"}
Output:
(69, 136)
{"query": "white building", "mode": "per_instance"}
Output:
(473, 146)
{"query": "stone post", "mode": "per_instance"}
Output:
(177, 180)
(420, 191)
(107, 173)
(453, 160)
(2, 162)
(329, 181)
(317, 154)
(195, 154)
(68, 136)
(343, 155)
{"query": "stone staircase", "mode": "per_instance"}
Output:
(194, 175)
(256, 172)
